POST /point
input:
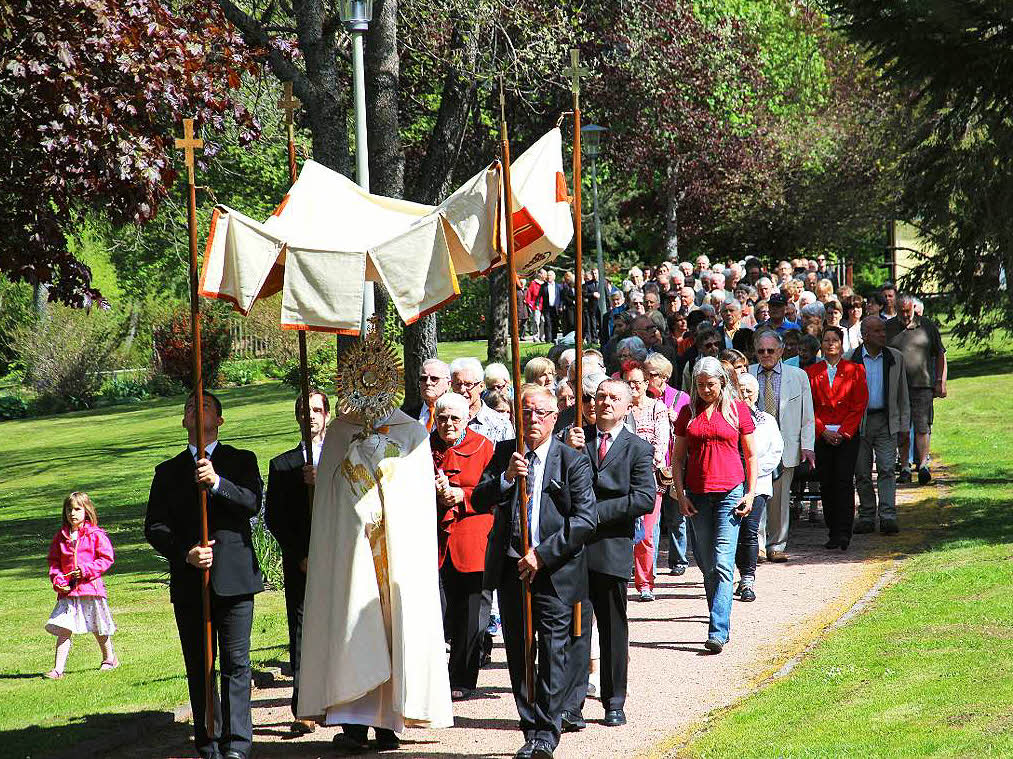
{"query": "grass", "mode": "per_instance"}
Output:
(927, 670)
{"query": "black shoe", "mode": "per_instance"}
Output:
(924, 475)
(614, 718)
(541, 750)
(832, 543)
(904, 477)
(573, 722)
(863, 527)
(845, 544)
(678, 570)
(387, 740)
(233, 754)
(714, 645)
(350, 745)
(747, 594)
(524, 752)
(738, 590)
(888, 526)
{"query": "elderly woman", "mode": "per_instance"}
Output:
(629, 349)
(501, 401)
(617, 305)
(713, 439)
(652, 424)
(497, 377)
(769, 446)
(540, 371)
(459, 457)
(564, 394)
(659, 370)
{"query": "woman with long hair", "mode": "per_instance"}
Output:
(714, 441)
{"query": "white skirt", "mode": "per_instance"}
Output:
(81, 614)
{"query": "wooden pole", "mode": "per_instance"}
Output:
(188, 143)
(515, 352)
(288, 104)
(576, 72)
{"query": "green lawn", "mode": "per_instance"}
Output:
(927, 671)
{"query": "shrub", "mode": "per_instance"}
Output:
(165, 386)
(126, 389)
(64, 354)
(174, 346)
(268, 554)
(12, 407)
(243, 371)
(465, 318)
(322, 366)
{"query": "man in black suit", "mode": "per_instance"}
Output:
(622, 466)
(288, 511)
(172, 526)
(550, 297)
(562, 517)
(434, 381)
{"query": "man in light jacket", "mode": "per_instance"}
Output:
(887, 415)
(784, 394)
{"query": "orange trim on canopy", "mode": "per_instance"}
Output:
(281, 206)
(562, 191)
(311, 328)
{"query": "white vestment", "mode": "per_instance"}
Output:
(373, 650)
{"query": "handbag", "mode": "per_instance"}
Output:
(639, 530)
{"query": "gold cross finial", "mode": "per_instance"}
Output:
(289, 103)
(575, 71)
(187, 143)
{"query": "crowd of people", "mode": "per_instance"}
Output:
(717, 392)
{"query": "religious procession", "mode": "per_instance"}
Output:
(548, 409)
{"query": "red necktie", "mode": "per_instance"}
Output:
(603, 439)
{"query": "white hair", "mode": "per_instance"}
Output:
(814, 309)
(708, 366)
(453, 402)
(762, 280)
(805, 298)
(467, 364)
(444, 370)
(497, 371)
(732, 304)
(569, 355)
(591, 382)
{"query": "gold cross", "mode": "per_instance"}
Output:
(187, 143)
(575, 71)
(289, 103)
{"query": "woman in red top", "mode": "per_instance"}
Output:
(713, 438)
(459, 456)
(840, 395)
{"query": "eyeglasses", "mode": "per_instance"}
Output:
(465, 386)
(634, 383)
(587, 398)
(537, 413)
(652, 375)
(430, 378)
(446, 418)
(765, 351)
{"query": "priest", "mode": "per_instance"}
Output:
(373, 651)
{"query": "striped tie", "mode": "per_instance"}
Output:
(769, 398)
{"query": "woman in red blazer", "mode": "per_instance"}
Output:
(460, 456)
(840, 395)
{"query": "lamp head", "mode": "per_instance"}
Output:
(590, 137)
(356, 14)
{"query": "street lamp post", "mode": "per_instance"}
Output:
(356, 15)
(591, 139)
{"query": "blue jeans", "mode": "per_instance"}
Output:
(716, 536)
(678, 543)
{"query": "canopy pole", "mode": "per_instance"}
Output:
(188, 143)
(288, 104)
(515, 352)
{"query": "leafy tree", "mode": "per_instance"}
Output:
(955, 57)
(92, 91)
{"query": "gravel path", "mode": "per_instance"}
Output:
(674, 684)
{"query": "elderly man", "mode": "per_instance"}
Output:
(777, 321)
(652, 306)
(561, 516)
(764, 288)
(622, 467)
(467, 379)
(687, 300)
(786, 395)
(550, 298)
(783, 271)
(434, 381)
(707, 342)
(647, 330)
(886, 416)
(731, 319)
(919, 341)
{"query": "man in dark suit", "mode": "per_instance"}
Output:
(434, 381)
(172, 526)
(622, 466)
(562, 517)
(550, 298)
(288, 510)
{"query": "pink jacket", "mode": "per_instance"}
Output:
(91, 552)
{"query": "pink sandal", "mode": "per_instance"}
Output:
(53, 675)
(109, 664)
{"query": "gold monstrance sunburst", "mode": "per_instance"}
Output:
(370, 379)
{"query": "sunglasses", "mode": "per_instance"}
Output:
(430, 378)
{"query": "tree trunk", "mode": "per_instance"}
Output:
(419, 346)
(40, 299)
(383, 71)
(498, 320)
(672, 215)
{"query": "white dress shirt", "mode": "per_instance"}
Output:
(612, 433)
(208, 450)
(535, 470)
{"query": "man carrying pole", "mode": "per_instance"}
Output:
(209, 490)
(540, 493)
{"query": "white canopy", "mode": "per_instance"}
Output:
(328, 236)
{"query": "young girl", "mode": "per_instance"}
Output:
(78, 557)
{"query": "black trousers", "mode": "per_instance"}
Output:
(231, 623)
(540, 718)
(748, 549)
(465, 618)
(608, 602)
(835, 468)
(295, 596)
(550, 317)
